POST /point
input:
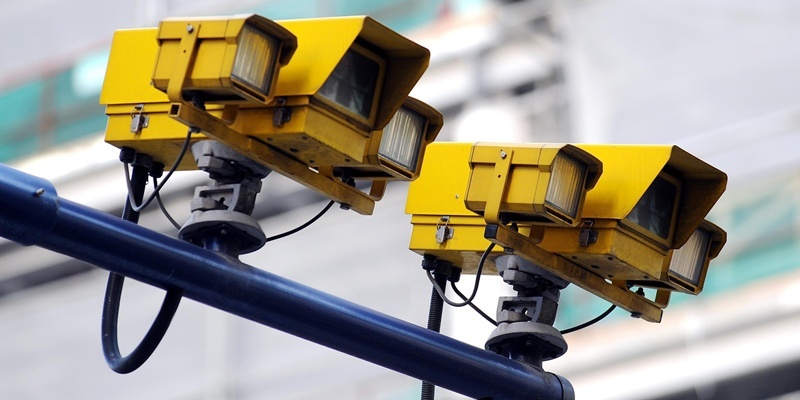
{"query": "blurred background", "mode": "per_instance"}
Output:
(719, 78)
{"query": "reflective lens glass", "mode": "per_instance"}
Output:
(402, 137)
(352, 84)
(687, 262)
(255, 59)
(654, 210)
(567, 180)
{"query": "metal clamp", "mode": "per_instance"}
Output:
(139, 120)
(281, 114)
(588, 235)
(443, 232)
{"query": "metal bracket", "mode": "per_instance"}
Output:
(497, 189)
(187, 47)
(214, 128)
(281, 114)
(443, 232)
(221, 217)
(519, 309)
(588, 235)
(567, 270)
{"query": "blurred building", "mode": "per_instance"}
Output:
(718, 78)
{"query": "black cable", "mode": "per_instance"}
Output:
(473, 306)
(435, 324)
(474, 288)
(301, 227)
(135, 206)
(152, 338)
(110, 314)
(589, 323)
(164, 208)
(136, 184)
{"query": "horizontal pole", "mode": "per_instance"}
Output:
(31, 213)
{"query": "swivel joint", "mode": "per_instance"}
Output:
(221, 217)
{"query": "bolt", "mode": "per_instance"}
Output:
(503, 154)
(189, 28)
(38, 192)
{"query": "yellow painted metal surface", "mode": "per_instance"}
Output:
(463, 250)
(442, 184)
(323, 42)
(510, 181)
(273, 159)
(628, 170)
(589, 281)
(627, 173)
(312, 136)
(317, 134)
(439, 192)
(161, 139)
(127, 91)
(198, 54)
(467, 244)
(130, 67)
(619, 254)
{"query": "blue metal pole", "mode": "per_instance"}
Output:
(31, 213)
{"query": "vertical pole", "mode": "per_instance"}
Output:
(434, 324)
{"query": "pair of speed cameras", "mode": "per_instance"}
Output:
(326, 103)
(608, 218)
